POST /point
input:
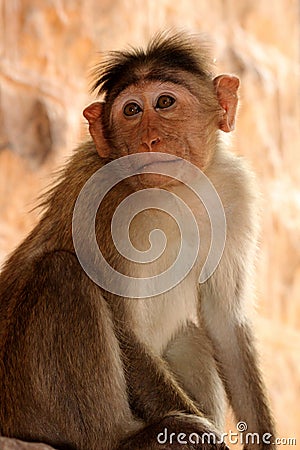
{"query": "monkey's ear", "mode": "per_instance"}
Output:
(226, 87)
(93, 114)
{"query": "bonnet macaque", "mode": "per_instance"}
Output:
(85, 368)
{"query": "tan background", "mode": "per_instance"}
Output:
(46, 49)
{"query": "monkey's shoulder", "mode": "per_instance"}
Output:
(238, 190)
(232, 172)
(234, 180)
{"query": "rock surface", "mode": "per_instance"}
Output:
(14, 444)
(46, 50)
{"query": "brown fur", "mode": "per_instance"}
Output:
(81, 368)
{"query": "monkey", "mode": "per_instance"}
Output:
(83, 367)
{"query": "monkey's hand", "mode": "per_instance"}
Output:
(175, 432)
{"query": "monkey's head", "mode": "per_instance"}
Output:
(162, 99)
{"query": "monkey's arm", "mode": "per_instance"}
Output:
(222, 309)
(153, 390)
(62, 374)
(155, 395)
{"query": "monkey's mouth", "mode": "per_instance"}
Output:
(157, 162)
(153, 174)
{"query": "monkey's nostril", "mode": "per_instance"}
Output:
(155, 141)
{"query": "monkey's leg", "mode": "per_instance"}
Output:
(63, 381)
(190, 357)
(158, 399)
(153, 390)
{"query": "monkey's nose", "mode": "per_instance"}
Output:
(151, 143)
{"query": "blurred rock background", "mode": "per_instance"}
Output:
(46, 50)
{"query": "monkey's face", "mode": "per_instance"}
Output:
(165, 117)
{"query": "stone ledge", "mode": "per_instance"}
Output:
(14, 444)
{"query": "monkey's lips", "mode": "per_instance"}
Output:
(156, 162)
(150, 172)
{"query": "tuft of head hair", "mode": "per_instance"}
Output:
(165, 54)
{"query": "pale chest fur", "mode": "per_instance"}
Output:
(157, 319)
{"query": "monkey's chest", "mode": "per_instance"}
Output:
(158, 319)
(168, 295)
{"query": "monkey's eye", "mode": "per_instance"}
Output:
(131, 109)
(164, 101)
